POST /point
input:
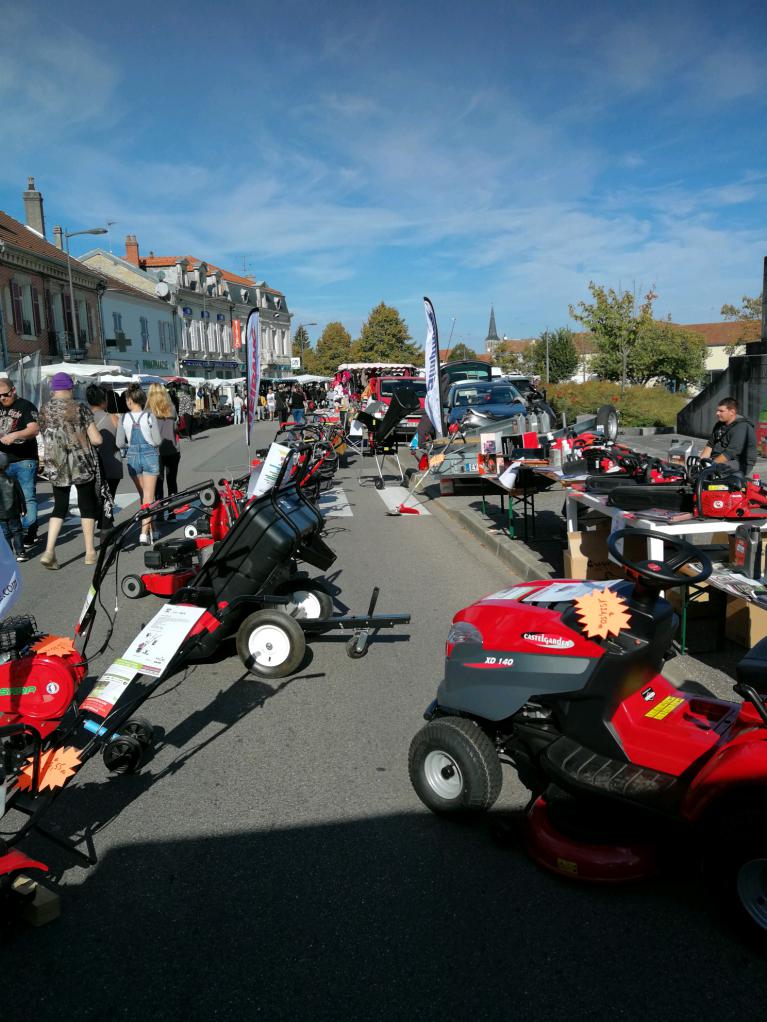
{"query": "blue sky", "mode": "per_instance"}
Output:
(349, 153)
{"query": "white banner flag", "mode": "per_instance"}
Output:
(433, 404)
(253, 365)
(10, 579)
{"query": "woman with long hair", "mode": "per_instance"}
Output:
(69, 436)
(161, 407)
(111, 465)
(139, 436)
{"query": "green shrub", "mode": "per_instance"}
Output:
(639, 406)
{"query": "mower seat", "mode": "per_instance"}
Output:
(752, 669)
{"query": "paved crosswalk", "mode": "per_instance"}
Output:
(335, 503)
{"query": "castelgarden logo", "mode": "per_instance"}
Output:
(21, 690)
(549, 641)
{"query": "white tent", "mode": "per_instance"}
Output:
(83, 370)
(308, 378)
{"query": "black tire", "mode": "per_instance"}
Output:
(454, 767)
(353, 653)
(133, 587)
(140, 728)
(379, 484)
(309, 600)
(123, 754)
(607, 417)
(736, 868)
(271, 644)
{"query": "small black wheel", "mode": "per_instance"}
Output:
(308, 600)
(352, 650)
(123, 754)
(133, 587)
(140, 728)
(454, 767)
(736, 868)
(271, 644)
(379, 484)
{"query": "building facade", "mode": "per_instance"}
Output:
(36, 312)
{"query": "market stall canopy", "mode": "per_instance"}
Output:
(82, 369)
(350, 366)
(308, 378)
(176, 379)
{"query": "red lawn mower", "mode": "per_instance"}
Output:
(620, 763)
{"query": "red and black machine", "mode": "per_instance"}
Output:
(562, 680)
(248, 588)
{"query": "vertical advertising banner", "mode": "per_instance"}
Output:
(253, 366)
(236, 334)
(433, 403)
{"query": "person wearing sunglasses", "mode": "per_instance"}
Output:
(18, 441)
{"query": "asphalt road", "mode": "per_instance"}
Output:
(272, 861)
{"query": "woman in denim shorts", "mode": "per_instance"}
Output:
(139, 436)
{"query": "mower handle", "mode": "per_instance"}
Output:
(661, 574)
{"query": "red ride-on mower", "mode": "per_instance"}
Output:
(561, 680)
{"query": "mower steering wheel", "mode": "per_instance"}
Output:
(662, 574)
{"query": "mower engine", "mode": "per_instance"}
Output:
(171, 555)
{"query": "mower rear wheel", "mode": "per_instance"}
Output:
(454, 767)
(736, 867)
(271, 644)
(123, 754)
(140, 728)
(190, 532)
(133, 587)
(308, 600)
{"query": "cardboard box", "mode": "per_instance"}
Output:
(745, 623)
(586, 556)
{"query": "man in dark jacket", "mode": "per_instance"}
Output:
(733, 440)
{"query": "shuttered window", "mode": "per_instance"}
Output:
(18, 308)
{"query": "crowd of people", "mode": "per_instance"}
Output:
(85, 447)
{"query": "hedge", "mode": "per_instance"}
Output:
(639, 406)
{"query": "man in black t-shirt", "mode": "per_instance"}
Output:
(733, 440)
(18, 437)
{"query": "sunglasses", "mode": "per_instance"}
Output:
(6, 393)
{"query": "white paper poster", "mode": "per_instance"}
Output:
(273, 462)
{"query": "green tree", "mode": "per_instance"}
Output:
(461, 352)
(510, 361)
(333, 348)
(301, 343)
(563, 356)
(750, 309)
(385, 338)
(667, 353)
(616, 323)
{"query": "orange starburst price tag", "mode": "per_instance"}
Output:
(55, 645)
(56, 767)
(602, 613)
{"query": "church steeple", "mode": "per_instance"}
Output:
(492, 334)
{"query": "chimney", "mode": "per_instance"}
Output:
(58, 238)
(131, 249)
(33, 208)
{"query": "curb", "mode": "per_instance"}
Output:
(524, 562)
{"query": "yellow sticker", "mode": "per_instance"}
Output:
(566, 866)
(664, 707)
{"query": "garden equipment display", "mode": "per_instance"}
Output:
(381, 421)
(248, 588)
(562, 680)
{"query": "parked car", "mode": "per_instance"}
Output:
(498, 400)
(384, 387)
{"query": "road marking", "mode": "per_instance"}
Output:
(334, 504)
(393, 496)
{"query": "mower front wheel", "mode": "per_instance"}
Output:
(454, 767)
(133, 587)
(271, 644)
(736, 867)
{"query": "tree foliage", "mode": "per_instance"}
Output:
(616, 323)
(385, 338)
(515, 362)
(301, 342)
(749, 310)
(668, 353)
(461, 352)
(563, 356)
(333, 348)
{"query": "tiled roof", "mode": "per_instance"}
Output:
(15, 233)
(157, 261)
(720, 334)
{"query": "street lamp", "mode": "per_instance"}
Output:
(300, 325)
(72, 306)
